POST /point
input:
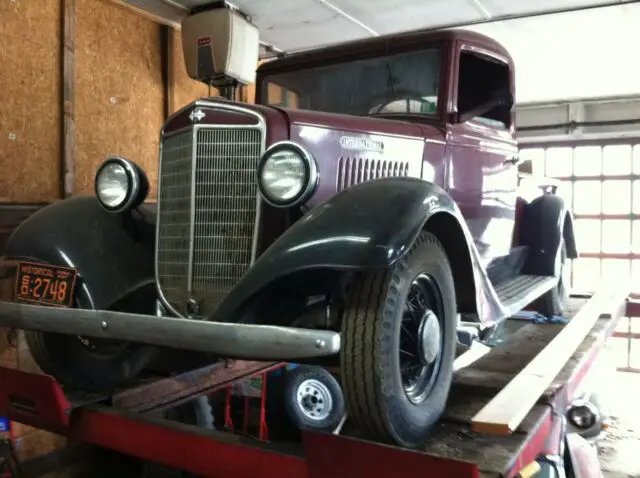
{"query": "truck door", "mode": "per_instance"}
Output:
(481, 153)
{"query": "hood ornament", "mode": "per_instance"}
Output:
(196, 115)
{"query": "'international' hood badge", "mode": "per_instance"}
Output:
(196, 115)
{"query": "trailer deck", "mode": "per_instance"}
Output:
(128, 422)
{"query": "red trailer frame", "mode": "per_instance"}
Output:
(127, 422)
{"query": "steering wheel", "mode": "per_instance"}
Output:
(391, 97)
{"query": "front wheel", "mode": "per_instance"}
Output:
(399, 338)
(88, 363)
(92, 365)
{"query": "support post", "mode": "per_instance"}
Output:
(68, 31)
(166, 60)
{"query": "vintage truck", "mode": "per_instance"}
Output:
(357, 214)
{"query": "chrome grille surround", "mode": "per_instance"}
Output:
(208, 210)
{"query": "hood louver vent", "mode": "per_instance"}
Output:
(353, 171)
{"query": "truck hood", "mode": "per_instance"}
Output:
(349, 149)
(365, 124)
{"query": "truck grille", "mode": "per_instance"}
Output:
(206, 214)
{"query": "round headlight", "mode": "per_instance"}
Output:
(120, 184)
(287, 174)
(582, 414)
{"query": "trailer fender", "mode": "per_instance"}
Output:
(546, 221)
(367, 226)
(112, 253)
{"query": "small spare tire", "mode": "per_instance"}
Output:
(313, 398)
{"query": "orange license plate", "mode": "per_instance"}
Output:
(45, 284)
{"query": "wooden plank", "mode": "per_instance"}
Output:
(504, 413)
(475, 352)
(68, 98)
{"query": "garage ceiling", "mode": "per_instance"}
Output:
(583, 53)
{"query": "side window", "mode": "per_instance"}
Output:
(279, 96)
(480, 76)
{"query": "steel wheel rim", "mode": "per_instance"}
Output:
(314, 399)
(422, 315)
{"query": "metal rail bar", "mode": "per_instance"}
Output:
(241, 341)
(185, 447)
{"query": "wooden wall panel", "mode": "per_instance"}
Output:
(29, 101)
(119, 90)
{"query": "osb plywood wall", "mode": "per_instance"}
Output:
(118, 94)
(119, 90)
(29, 99)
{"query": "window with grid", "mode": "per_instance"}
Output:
(601, 185)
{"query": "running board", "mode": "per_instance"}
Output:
(518, 292)
(239, 341)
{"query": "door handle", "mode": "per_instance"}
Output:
(512, 160)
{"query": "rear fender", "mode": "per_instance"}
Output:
(545, 221)
(113, 253)
(371, 226)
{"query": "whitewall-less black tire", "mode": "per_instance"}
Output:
(399, 340)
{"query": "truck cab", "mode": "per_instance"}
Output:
(453, 89)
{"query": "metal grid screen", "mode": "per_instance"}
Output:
(225, 210)
(226, 204)
(174, 219)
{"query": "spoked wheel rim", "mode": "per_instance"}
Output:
(421, 338)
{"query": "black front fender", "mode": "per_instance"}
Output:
(113, 253)
(367, 226)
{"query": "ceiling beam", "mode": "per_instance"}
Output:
(346, 16)
(481, 9)
(149, 9)
(165, 12)
(543, 13)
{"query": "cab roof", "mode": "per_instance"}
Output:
(370, 47)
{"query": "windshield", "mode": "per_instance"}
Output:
(398, 83)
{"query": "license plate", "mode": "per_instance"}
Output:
(45, 284)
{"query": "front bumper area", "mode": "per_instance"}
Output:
(229, 340)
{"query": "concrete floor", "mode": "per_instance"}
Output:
(620, 450)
